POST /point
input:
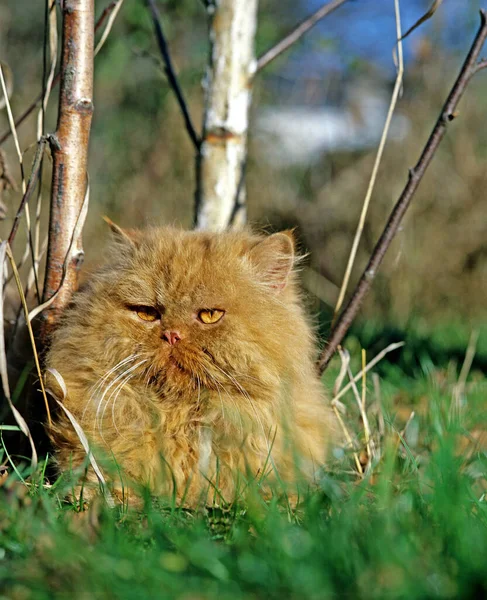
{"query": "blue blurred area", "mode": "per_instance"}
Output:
(365, 30)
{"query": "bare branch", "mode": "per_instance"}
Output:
(28, 111)
(170, 73)
(482, 64)
(34, 176)
(429, 13)
(469, 68)
(297, 33)
(114, 8)
(69, 147)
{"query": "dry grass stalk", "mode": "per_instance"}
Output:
(378, 403)
(111, 19)
(3, 361)
(32, 106)
(361, 407)
(70, 153)
(401, 435)
(29, 328)
(380, 151)
(345, 362)
(13, 129)
(459, 387)
(470, 67)
(29, 243)
(368, 436)
(51, 23)
(369, 366)
(81, 435)
(428, 14)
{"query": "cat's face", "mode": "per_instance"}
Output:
(196, 309)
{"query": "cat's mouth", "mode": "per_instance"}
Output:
(176, 363)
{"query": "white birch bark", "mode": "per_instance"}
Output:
(228, 97)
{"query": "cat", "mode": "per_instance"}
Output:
(188, 358)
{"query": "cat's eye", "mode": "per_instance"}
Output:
(146, 313)
(210, 316)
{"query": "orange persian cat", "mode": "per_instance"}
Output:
(188, 358)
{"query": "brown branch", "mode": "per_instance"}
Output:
(482, 64)
(29, 110)
(469, 68)
(69, 146)
(170, 73)
(105, 14)
(297, 33)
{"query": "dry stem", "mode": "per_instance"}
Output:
(469, 68)
(378, 159)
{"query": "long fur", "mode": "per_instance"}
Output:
(226, 402)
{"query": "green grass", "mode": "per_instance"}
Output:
(414, 527)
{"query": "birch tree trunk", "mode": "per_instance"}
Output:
(220, 191)
(69, 147)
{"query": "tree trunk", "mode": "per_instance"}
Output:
(220, 192)
(70, 154)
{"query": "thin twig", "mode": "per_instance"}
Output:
(29, 328)
(361, 408)
(345, 358)
(365, 419)
(348, 437)
(50, 31)
(170, 73)
(297, 33)
(3, 363)
(12, 127)
(469, 68)
(459, 387)
(32, 106)
(377, 162)
(482, 64)
(30, 188)
(115, 7)
(429, 13)
(370, 365)
(378, 403)
(29, 242)
(401, 435)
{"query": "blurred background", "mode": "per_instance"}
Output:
(317, 116)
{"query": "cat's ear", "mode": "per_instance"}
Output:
(122, 235)
(274, 258)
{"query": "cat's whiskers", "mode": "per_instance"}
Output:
(102, 380)
(147, 377)
(244, 393)
(199, 388)
(108, 388)
(219, 387)
(119, 389)
(113, 395)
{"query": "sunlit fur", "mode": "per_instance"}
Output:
(227, 402)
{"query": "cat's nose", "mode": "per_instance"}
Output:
(171, 337)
